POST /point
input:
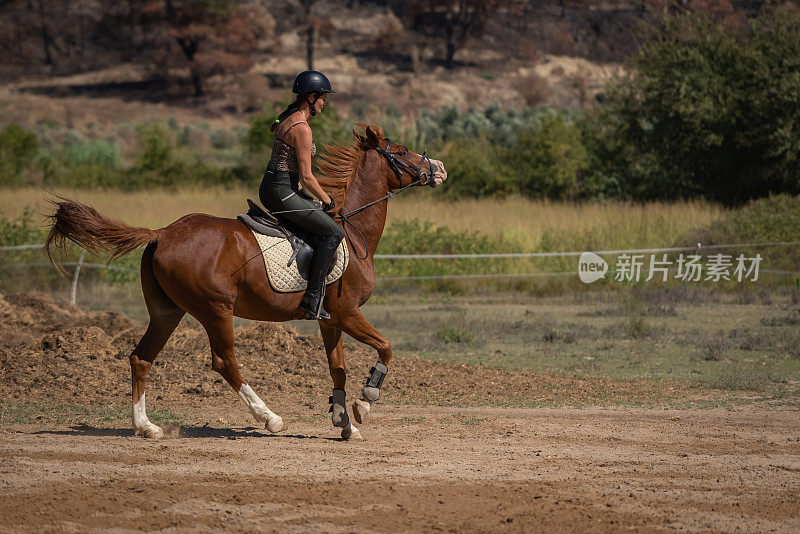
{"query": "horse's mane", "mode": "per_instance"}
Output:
(338, 163)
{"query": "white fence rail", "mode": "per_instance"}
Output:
(558, 254)
(80, 263)
(525, 254)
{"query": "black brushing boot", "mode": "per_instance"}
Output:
(324, 256)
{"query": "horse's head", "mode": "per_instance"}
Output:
(403, 168)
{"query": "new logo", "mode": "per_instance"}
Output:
(591, 267)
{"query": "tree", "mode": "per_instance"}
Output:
(312, 26)
(454, 21)
(70, 33)
(710, 109)
(718, 10)
(217, 36)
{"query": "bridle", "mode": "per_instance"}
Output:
(416, 172)
(398, 166)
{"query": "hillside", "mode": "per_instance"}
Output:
(546, 53)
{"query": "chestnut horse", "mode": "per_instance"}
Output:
(211, 268)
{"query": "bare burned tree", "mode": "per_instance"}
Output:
(312, 26)
(216, 37)
(455, 21)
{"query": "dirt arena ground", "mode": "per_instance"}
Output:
(452, 447)
(419, 468)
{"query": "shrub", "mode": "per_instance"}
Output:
(493, 123)
(772, 219)
(536, 152)
(477, 168)
(533, 88)
(193, 137)
(259, 138)
(415, 237)
(18, 149)
(156, 164)
(548, 160)
(80, 163)
(20, 231)
(93, 152)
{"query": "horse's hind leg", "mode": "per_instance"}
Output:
(158, 332)
(332, 337)
(220, 335)
(164, 318)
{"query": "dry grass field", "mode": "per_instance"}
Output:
(521, 221)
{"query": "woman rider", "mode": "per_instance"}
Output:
(281, 193)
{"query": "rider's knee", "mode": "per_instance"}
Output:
(335, 236)
(338, 232)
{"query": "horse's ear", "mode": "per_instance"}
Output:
(360, 138)
(374, 135)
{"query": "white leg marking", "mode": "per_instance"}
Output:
(361, 409)
(273, 422)
(350, 432)
(142, 425)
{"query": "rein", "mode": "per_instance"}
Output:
(398, 166)
(395, 163)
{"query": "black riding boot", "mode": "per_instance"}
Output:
(324, 256)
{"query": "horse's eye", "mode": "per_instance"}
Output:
(405, 151)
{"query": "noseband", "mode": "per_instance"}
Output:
(416, 172)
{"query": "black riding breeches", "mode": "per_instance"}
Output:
(279, 194)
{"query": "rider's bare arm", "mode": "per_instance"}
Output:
(302, 143)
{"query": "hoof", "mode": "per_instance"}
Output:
(342, 421)
(351, 432)
(151, 432)
(275, 424)
(371, 394)
(361, 411)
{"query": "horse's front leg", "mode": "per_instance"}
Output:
(357, 326)
(332, 337)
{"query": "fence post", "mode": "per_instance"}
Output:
(73, 297)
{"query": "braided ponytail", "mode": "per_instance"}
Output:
(291, 108)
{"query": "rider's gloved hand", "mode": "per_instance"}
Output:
(328, 208)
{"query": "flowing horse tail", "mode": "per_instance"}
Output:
(96, 233)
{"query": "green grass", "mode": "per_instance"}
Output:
(717, 341)
(24, 412)
(469, 420)
(449, 334)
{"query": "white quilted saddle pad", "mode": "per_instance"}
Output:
(283, 279)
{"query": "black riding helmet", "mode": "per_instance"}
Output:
(311, 81)
(314, 83)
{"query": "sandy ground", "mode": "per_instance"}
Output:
(419, 468)
(434, 456)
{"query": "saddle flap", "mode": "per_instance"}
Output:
(261, 221)
(257, 211)
(261, 227)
